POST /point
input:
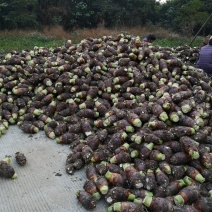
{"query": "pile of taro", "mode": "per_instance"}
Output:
(137, 118)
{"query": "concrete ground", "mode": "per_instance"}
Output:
(42, 185)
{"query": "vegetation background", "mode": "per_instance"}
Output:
(27, 23)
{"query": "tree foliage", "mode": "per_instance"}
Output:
(190, 15)
(185, 16)
(18, 14)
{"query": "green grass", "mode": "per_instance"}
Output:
(179, 42)
(19, 42)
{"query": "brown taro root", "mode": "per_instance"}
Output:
(124, 125)
(158, 204)
(161, 177)
(101, 108)
(3, 98)
(116, 140)
(76, 165)
(86, 200)
(166, 150)
(174, 187)
(174, 145)
(151, 164)
(60, 129)
(134, 90)
(87, 153)
(150, 181)
(90, 187)
(115, 179)
(39, 124)
(157, 155)
(19, 102)
(126, 206)
(187, 105)
(49, 132)
(91, 173)
(140, 194)
(124, 147)
(191, 182)
(180, 96)
(126, 85)
(150, 137)
(110, 120)
(122, 157)
(194, 174)
(79, 147)
(21, 91)
(87, 113)
(163, 66)
(104, 166)
(158, 111)
(185, 208)
(165, 167)
(134, 177)
(87, 104)
(73, 119)
(159, 191)
(166, 102)
(138, 137)
(206, 173)
(44, 118)
(73, 156)
(92, 93)
(177, 172)
(28, 127)
(20, 158)
(93, 142)
(66, 138)
(180, 158)
(190, 147)
(67, 111)
(117, 194)
(50, 109)
(101, 134)
(164, 135)
(3, 126)
(99, 123)
(187, 195)
(200, 136)
(47, 99)
(209, 139)
(86, 126)
(140, 165)
(102, 184)
(120, 79)
(134, 119)
(128, 96)
(74, 128)
(101, 154)
(206, 159)
(203, 204)
(6, 114)
(156, 124)
(75, 143)
(146, 150)
(6, 170)
(180, 131)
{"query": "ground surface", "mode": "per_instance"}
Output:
(42, 185)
